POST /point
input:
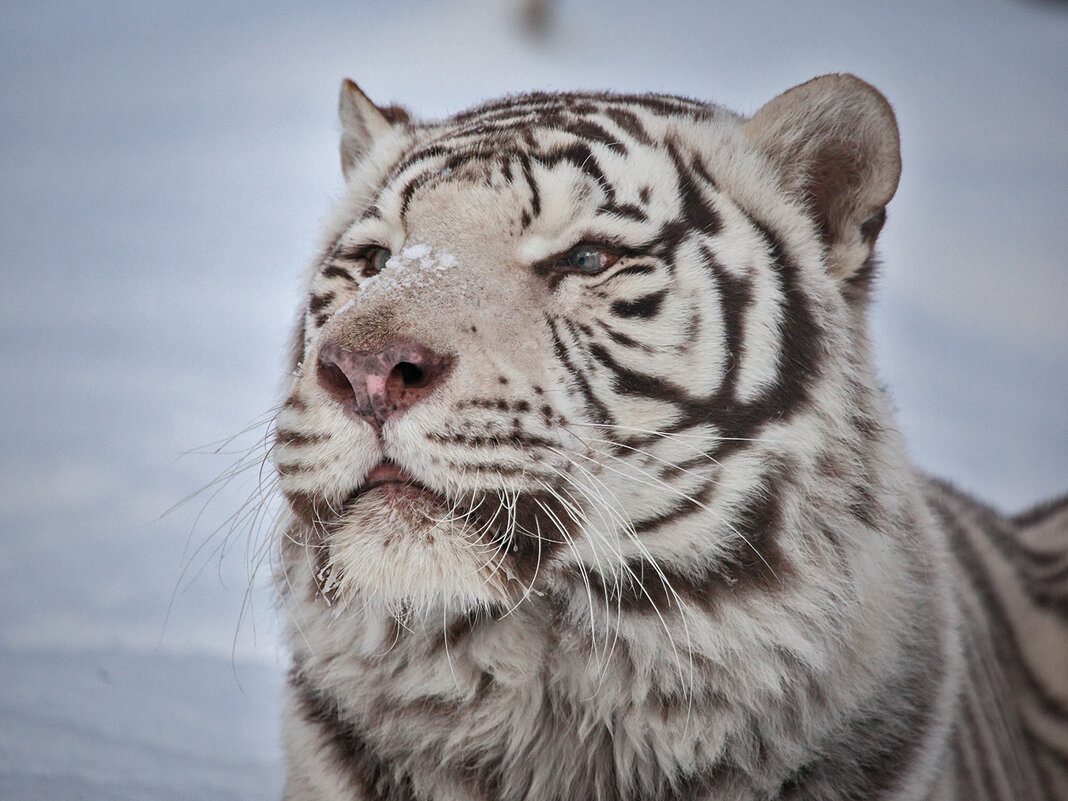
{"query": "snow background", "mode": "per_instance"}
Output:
(164, 168)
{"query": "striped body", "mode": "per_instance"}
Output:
(633, 522)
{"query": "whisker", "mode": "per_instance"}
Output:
(648, 558)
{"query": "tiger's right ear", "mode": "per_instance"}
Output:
(362, 122)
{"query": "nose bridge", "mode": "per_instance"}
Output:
(474, 221)
(434, 296)
(362, 326)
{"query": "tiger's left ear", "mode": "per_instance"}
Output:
(362, 122)
(836, 144)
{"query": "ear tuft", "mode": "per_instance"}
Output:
(835, 142)
(362, 122)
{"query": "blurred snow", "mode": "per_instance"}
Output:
(120, 726)
(165, 166)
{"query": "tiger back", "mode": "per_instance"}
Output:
(593, 494)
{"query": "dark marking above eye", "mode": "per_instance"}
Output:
(348, 253)
(627, 210)
(645, 306)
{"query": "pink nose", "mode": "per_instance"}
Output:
(375, 385)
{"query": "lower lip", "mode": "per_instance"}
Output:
(387, 474)
(395, 481)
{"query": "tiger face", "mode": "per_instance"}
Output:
(580, 344)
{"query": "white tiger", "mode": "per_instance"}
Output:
(592, 492)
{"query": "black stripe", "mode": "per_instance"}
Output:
(663, 105)
(581, 157)
(625, 210)
(528, 535)
(626, 381)
(411, 188)
(735, 297)
(599, 412)
(800, 351)
(354, 757)
(417, 157)
(348, 253)
(594, 133)
(287, 436)
(634, 269)
(1005, 637)
(532, 185)
(1041, 512)
(622, 339)
(754, 562)
(338, 272)
(698, 211)
(632, 124)
(683, 507)
(1042, 574)
(461, 627)
(319, 302)
(644, 306)
(519, 439)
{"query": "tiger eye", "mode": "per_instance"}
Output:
(588, 259)
(376, 259)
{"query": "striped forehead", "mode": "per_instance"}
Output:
(509, 142)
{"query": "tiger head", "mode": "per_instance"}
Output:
(587, 344)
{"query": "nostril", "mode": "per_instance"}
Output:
(334, 380)
(410, 374)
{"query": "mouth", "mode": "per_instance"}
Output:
(394, 537)
(389, 479)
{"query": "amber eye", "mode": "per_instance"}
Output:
(588, 259)
(375, 261)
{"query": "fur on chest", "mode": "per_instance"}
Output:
(547, 703)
